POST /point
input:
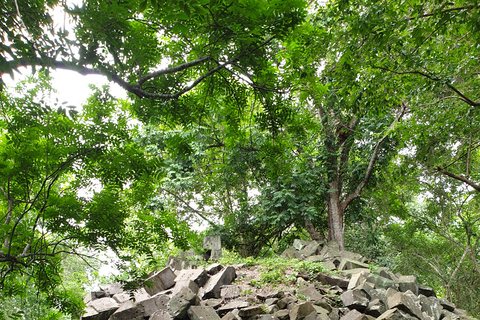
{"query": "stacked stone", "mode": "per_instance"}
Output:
(208, 294)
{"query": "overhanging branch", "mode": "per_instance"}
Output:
(459, 178)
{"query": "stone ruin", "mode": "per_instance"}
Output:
(179, 292)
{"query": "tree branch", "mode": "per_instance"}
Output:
(459, 178)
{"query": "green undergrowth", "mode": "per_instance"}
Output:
(275, 270)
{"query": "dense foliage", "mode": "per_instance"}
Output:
(261, 121)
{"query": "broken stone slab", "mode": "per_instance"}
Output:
(349, 264)
(214, 268)
(128, 311)
(299, 244)
(376, 308)
(380, 282)
(199, 276)
(104, 306)
(111, 289)
(431, 306)
(406, 283)
(90, 314)
(214, 303)
(264, 317)
(213, 242)
(353, 315)
(202, 313)
(271, 309)
(320, 310)
(157, 302)
(332, 280)
(396, 314)
(160, 281)
(161, 315)
(231, 316)
(407, 302)
(122, 297)
(93, 295)
(303, 284)
(447, 315)
(350, 272)
(228, 292)
(213, 285)
(176, 263)
(285, 301)
(426, 291)
(311, 293)
(271, 301)
(179, 303)
(355, 299)
(216, 255)
(291, 253)
(232, 306)
(189, 284)
(141, 294)
(283, 314)
(301, 311)
(271, 295)
(312, 248)
(447, 305)
(357, 279)
(324, 304)
(250, 311)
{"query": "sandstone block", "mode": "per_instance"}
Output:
(299, 244)
(104, 306)
(283, 314)
(250, 311)
(160, 281)
(214, 268)
(447, 305)
(396, 314)
(406, 283)
(311, 293)
(111, 289)
(128, 311)
(179, 303)
(348, 264)
(312, 248)
(355, 299)
(93, 296)
(161, 315)
(353, 315)
(332, 280)
(426, 291)
(291, 253)
(301, 311)
(213, 285)
(202, 313)
(407, 302)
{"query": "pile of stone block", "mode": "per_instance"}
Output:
(350, 291)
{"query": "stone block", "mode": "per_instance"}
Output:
(213, 285)
(189, 284)
(160, 281)
(250, 311)
(212, 242)
(431, 306)
(264, 317)
(128, 311)
(353, 315)
(350, 272)
(332, 280)
(283, 314)
(312, 248)
(90, 314)
(93, 296)
(291, 253)
(396, 314)
(104, 306)
(380, 282)
(122, 297)
(426, 291)
(141, 294)
(406, 283)
(157, 302)
(176, 263)
(348, 264)
(311, 293)
(161, 315)
(355, 299)
(181, 302)
(214, 268)
(357, 279)
(301, 311)
(406, 302)
(299, 244)
(202, 313)
(272, 295)
(236, 304)
(216, 255)
(447, 305)
(229, 292)
(111, 289)
(376, 308)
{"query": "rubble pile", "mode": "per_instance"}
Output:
(350, 291)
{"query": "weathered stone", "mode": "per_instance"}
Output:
(141, 294)
(212, 242)
(291, 253)
(320, 310)
(285, 301)
(302, 284)
(283, 314)
(111, 289)
(93, 295)
(431, 306)
(161, 315)
(250, 311)
(349, 273)
(348, 264)
(406, 283)
(299, 244)
(230, 292)
(161, 281)
(104, 306)
(301, 311)
(357, 279)
(157, 302)
(231, 316)
(214, 303)
(380, 282)
(128, 311)
(274, 294)
(312, 248)
(214, 268)
(224, 277)
(355, 299)
(232, 305)
(324, 304)
(447, 315)
(216, 255)
(447, 305)
(396, 314)
(271, 309)
(176, 263)
(376, 308)
(202, 313)
(90, 314)
(189, 284)
(199, 276)
(311, 293)
(405, 301)
(122, 297)
(353, 315)
(180, 303)
(271, 301)
(426, 291)
(332, 280)
(334, 314)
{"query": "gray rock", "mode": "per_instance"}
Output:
(406, 283)
(283, 314)
(213, 285)
(181, 284)
(311, 293)
(291, 253)
(214, 268)
(179, 303)
(426, 291)
(332, 280)
(303, 284)
(176, 263)
(349, 264)
(214, 303)
(199, 276)
(353, 315)
(406, 301)
(141, 294)
(128, 311)
(264, 317)
(230, 292)
(396, 314)
(231, 316)
(312, 248)
(334, 314)
(324, 304)
(161, 315)
(232, 305)
(380, 282)
(447, 315)
(350, 272)
(250, 311)
(104, 306)
(111, 289)
(299, 244)
(271, 301)
(301, 311)
(157, 302)
(122, 297)
(90, 314)
(202, 313)
(376, 308)
(271, 309)
(160, 281)
(357, 279)
(212, 242)
(447, 305)
(355, 299)
(272, 295)
(285, 301)
(93, 296)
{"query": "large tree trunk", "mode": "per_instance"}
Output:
(335, 214)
